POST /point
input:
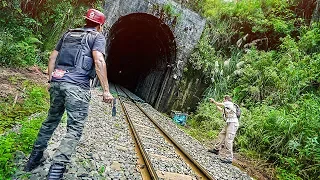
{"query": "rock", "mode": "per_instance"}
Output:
(116, 166)
(107, 169)
(82, 172)
(72, 170)
(121, 148)
(47, 166)
(43, 172)
(93, 174)
(96, 157)
(45, 156)
(19, 173)
(37, 170)
(19, 157)
(69, 176)
(34, 177)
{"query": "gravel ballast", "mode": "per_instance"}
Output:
(105, 151)
(209, 161)
(161, 153)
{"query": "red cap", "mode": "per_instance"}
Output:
(95, 16)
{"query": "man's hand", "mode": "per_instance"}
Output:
(107, 97)
(212, 100)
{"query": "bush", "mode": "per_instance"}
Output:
(267, 57)
(206, 124)
(36, 101)
(32, 28)
(21, 53)
(13, 142)
(287, 136)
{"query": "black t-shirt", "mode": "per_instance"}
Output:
(98, 44)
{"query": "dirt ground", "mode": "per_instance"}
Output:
(11, 79)
(258, 169)
(255, 168)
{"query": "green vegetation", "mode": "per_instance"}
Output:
(30, 29)
(35, 101)
(28, 33)
(171, 11)
(266, 54)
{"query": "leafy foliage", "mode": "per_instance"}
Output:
(31, 28)
(29, 31)
(267, 56)
(36, 100)
(13, 142)
(18, 44)
(289, 137)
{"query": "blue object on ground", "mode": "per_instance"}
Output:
(180, 118)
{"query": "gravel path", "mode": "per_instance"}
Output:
(161, 153)
(209, 161)
(105, 151)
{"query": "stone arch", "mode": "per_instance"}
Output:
(186, 27)
(141, 49)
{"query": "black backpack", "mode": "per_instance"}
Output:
(238, 110)
(76, 54)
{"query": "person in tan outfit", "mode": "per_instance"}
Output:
(228, 133)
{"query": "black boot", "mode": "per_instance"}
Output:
(34, 160)
(56, 171)
(214, 151)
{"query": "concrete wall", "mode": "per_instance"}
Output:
(186, 26)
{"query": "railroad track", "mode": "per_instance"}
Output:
(160, 156)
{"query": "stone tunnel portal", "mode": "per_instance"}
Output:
(141, 49)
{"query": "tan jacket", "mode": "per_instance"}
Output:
(230, 112)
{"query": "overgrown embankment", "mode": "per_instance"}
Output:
(266, 55)
(23, 106)
(29, 31)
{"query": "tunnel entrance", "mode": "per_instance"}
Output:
(141, 49)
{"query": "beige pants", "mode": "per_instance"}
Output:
(225, 140)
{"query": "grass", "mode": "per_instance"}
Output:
(35, 100)
(204, 136)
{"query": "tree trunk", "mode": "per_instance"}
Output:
(316, 12)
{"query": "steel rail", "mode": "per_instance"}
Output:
(144, 154)
(201, 168)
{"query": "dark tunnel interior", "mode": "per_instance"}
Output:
(140, 48)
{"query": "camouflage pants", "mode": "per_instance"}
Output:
(225, 140)
(75, 100)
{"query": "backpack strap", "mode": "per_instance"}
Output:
(224, 114)
(231, 109)
(65, 35)
(84, 46)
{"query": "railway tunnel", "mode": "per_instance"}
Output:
(141, 49)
